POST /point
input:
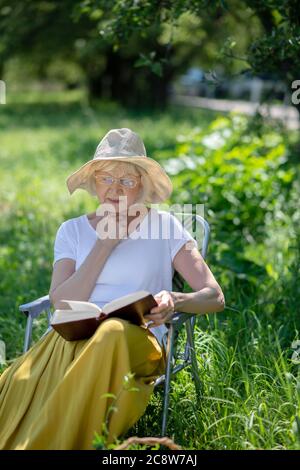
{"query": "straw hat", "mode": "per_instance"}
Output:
(122, 145)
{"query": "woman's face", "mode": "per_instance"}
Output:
(116, 192)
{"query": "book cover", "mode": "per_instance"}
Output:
(82, 320)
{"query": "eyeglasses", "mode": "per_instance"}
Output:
(109, 180)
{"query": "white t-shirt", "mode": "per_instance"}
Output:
(143, 261)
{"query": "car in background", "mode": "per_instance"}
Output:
(244, 86)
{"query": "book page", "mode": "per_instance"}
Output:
(124, 300)
(62, 316)
(79, 305)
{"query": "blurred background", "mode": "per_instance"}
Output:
(211, 87)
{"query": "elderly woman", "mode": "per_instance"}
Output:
(53, 397)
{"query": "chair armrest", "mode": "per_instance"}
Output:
(179, 318)
(36, 307)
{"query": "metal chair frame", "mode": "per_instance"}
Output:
(174, 362)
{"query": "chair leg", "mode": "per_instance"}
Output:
(194, 364)
(28, 332)
(169, 369)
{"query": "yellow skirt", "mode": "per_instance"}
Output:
(51, 396)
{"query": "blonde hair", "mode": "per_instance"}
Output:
(146, 191)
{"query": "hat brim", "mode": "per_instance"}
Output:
(162, 185)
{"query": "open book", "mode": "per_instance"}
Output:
(84, 317)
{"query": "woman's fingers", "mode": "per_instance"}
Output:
(163, 311)
(160, 308)
(160, 319)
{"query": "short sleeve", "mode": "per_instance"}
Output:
(179, 236)
(65, 243)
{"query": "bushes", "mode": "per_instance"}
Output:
(244, 179)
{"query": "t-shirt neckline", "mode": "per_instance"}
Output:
(85, 217)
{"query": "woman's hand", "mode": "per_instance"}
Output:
(115, 229)
(164, 310)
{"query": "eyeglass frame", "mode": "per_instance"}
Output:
(114, 178)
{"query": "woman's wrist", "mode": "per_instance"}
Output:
(178, 300)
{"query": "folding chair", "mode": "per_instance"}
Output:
(175, 361)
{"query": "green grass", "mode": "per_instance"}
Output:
(251, 386)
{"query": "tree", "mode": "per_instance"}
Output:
(131, 50)
(274, 50)
(45, 31)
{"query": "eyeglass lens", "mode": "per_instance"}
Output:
(108, 180)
